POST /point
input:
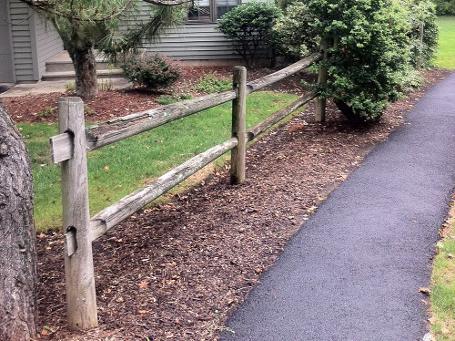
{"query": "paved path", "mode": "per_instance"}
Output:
(353, 271)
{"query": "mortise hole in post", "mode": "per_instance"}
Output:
(71, 240)
(71, 134)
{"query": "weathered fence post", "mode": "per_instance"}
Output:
(321, 102)
(239, 126)
(79, 271)
(420, 61)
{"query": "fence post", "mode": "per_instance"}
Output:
(79, 271)
(239, 126)
(420, 60)
(321, 103)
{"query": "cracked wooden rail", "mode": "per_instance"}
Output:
(257, 130)
(120, 128)
(114, 214)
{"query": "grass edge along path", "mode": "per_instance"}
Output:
(121, 168)
(443, 283)
(445, 55)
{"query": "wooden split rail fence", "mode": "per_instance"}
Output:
(70, 148)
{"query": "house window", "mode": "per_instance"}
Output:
(210, 10)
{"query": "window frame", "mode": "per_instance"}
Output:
(213, 14)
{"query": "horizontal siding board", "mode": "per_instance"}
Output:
(206, 49)
(21, 40)
(23, 58)
(48, 42)
(24, 74)
(24, 67)
(19, 28)
(22, 45)
(21, 34)
(22, 50)
(202, 53)
(196, 40)
(187, 41)
(208, 58)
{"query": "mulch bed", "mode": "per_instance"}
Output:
(110, 104)
(178, 270)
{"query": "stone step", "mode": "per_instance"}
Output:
(69, 75)
(67, 65)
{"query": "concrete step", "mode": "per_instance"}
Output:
(69, 75)
(67, 65)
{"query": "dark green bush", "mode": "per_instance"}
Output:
(250, 27)
(150, 71)
(445, 7)
(369, 60)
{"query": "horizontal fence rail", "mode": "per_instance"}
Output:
(70, 147)
(292, 69)
(254, 132)
(114, 214)
(118, 129)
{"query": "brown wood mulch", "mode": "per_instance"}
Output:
(109, 104)
(177, 271)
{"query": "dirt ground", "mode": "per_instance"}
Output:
(176, 271)
(109, 104)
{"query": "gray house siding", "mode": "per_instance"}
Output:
(33, 42)
(27, 42)
(20, 18)
(6, 56)
(188, 41)
(47, 40)
(193, 42)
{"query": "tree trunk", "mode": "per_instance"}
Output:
(85, 66)
(17, 237)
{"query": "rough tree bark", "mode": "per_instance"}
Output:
(85, 66)
(17, 237)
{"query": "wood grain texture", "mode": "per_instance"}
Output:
(130, 125)
(61, 147)
(114, 214)
(127, 126)
(238, 154)
(321, 102)
(282, 74)
(79, 272)
(257, 130)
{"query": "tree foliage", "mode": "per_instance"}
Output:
(85, 25)
(422, 15)
(445, 7)
(250, 27)
(371, 48)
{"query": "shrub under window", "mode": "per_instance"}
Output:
(150, 71)
(250, 27)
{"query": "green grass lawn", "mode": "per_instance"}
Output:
(119, 169)
(443, 286)
(445, 57)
